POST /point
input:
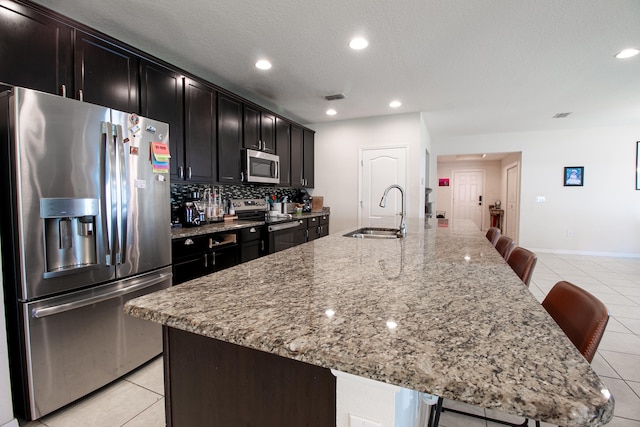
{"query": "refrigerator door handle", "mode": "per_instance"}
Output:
(107, 199)
(123, 197)
(39, 313)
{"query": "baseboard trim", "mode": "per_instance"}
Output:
(588, 253)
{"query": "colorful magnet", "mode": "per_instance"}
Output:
(124, 141)
(151, 129)
(134, 119)
(135, 129)
(133, 151)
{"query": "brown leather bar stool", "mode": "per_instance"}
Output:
(523, 261)
(492, 235)
(504, 246)
(581, 316)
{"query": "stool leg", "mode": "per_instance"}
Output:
(434, 416)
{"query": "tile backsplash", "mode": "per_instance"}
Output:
(185, 192)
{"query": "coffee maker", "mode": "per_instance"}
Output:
(303, 198)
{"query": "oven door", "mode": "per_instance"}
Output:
(285, 235)
(261, 167)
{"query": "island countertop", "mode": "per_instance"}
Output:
(438, 311)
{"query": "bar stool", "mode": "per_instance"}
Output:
(523, 261)
(504, 246)
(492, 235)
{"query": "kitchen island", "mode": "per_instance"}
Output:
(438, 311)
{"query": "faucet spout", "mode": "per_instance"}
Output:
(383, 201)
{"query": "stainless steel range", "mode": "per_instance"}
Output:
(283, 230)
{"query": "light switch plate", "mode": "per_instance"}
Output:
(541, 199)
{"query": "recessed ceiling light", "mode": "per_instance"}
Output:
(263, 64)
(395, 104)
(358, 43)
(627, 53)
(331, 112)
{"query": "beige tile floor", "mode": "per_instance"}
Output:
(137, 399)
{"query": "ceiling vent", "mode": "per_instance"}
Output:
(334, 97)
(561, 115)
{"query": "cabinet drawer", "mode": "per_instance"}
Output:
(189, 246)
(251, 233)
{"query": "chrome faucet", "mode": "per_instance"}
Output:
(383, 201)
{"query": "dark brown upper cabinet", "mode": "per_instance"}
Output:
(229, 139)
(200, 133)
(259, 129)
(283, 150)
(36, 50)
(161, 98)
(308, 172)
(105, 74)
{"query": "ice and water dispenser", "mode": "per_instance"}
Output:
(69, 233)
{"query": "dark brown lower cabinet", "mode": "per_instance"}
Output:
(209, 382)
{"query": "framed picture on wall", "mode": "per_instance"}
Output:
(573, 176)
(443, 182)
(638, 165)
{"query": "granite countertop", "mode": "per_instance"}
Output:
(467, 328)
(180, 232)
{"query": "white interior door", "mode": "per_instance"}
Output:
(513, 205)
(379, 168)
(468, 187)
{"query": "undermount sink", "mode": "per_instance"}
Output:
(375, 233)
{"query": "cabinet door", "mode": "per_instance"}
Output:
(283, 150)
(161, 91)
(313, 227)
(200, 132)
(36, 50)
(296, 156)
(105, 74)
(251, 128)
(308, 168)
(268, 131)
(229, 139)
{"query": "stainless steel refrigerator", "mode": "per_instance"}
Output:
(85, 227)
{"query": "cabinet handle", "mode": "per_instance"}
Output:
(63, 91)
(259, 145)
(213, 259)
(181, 172)
(80, 95)
(262, 245)
(241, 177)
(189, 172)
(206, 261)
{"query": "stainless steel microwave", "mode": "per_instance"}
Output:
(260, 167)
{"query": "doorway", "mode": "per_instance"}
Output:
(513, 206)
(379, 168)
(468, 188)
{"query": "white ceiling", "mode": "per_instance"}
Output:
(473, 66)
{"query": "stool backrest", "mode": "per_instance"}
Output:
(581, 316)
(504, 246)
(492, 235)
(523, 261)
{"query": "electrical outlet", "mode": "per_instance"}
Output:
(541, 199)
(569, 232)
(355, 421)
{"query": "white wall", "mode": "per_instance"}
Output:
(603, 216)
(337, 149)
